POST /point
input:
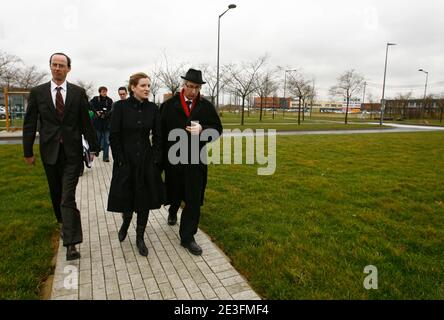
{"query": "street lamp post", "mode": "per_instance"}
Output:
(425, 91)
(231, 6)
(383, 84)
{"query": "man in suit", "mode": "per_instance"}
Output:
(186, 181)
(62, 109)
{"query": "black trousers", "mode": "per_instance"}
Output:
(62, 181)
(189, 222)
(191, 182)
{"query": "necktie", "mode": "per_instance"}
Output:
(189, 102)
(60, 105)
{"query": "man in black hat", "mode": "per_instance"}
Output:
(186, 180)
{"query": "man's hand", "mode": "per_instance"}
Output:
(195, 128)
(30, 160)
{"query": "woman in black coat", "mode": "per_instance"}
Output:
(136, 184)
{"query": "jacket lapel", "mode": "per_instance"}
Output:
(69, 97)
(178, 105)
(49, 101)
(196, 108)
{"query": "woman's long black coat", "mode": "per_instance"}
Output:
(136, 183)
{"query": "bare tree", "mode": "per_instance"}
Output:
(312, 95)
(348, 85)
(242, 79)
(30, 76)
(209, 74)
(299, 86)
(266, 85)
(441, 105)
(155, 83)
(88, 86)
(307, 93)
(170, 74)
(403, 99)
(9, 69)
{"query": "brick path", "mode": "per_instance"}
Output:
(109, 269)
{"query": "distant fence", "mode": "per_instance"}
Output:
(13, 103)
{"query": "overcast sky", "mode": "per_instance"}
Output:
(109, 40)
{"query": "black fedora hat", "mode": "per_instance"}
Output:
(194, 75)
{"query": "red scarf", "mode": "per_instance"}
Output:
(184, 104)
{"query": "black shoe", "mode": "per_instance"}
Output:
(192, 247)
(172, 219)
(72, 253)
(105, 160)
(122, 233)
(143, 250)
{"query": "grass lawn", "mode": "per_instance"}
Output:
(28, 229)
(335, 205)
(14, 123)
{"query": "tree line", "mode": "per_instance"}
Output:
(241, 80)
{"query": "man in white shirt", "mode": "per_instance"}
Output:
(62, 109)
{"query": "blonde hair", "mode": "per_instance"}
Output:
(134, 80)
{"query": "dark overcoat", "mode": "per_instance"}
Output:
(103, 104)
(182, 181)
(136, 184)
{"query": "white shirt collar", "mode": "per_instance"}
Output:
(54, 85)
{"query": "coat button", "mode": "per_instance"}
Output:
(139, 122)
(137, 154)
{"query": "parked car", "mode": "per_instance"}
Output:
(2, 113)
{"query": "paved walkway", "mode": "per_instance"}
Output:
(109, 269)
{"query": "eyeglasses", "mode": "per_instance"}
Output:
(61, 66)
(191, 87)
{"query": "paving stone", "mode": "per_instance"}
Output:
(166, 290)
(140, 294)
(151, 286)
(246, 295)
(237, 288)
(182, 294)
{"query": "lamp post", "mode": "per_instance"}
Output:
(425, 91)
(231, 6)
(285, 87)
(383, 85)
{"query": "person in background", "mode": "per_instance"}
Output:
(123, 93)
(102, 105)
